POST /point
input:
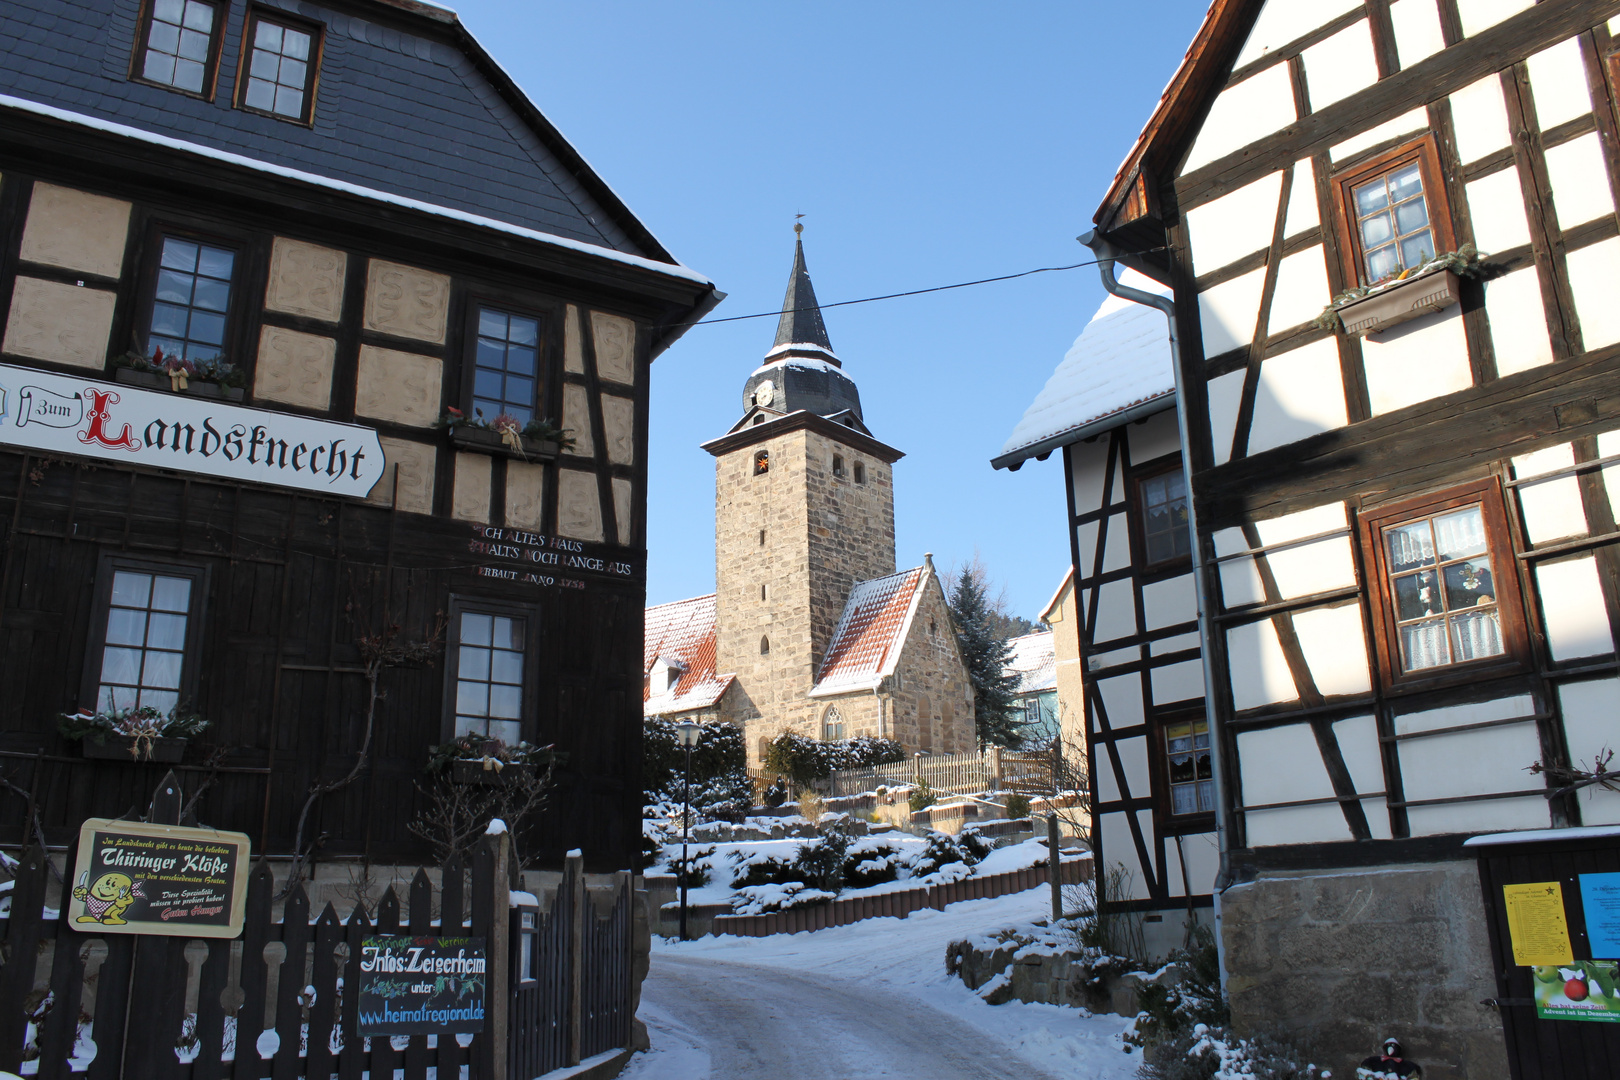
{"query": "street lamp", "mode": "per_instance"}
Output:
(687, 732)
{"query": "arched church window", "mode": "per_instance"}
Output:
(764, 645)
(762, 462)
(860, 473)
(832, 726)
(838, 464)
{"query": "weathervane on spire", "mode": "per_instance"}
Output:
(798, 226)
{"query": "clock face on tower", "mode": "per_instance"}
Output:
(764, 393)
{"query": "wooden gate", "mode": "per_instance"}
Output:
(1541, 1049)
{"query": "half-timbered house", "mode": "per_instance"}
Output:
(270, 275)
(1389, 232)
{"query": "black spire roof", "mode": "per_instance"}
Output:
(801, 323)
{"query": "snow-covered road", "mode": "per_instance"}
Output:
(868, 1000)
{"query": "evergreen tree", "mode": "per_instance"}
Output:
(986, 654)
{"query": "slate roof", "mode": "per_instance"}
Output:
(408, 103)
(866, 645)
(1034, 659)
(1121, 360)
(684, 632)
(800, 328)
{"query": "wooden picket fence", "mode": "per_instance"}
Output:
(1031, 772)
(900, 903)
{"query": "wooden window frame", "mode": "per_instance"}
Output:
(1166, 820)
(317, 51)
(464, 603)
(216, 42)
(191, 662)
(1137, 515)
(547, 392)
(241, 328)
(1515, 624)
(1421, 150)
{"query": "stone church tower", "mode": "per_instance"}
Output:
(809, 618)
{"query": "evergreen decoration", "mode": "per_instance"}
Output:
(985, 655)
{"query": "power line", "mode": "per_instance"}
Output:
(912, 292)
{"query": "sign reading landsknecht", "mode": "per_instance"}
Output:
(422, 985)
(62, 414)
(134, 878)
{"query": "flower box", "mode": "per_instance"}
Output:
(1401, 302)
(124, 748)
(151, 380)
(483, 440)
(472, 771)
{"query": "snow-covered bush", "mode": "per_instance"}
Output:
(803, 759)
(822, 860)
(974, 845)
(721, 789)
(940, 852)
(1214, 1053)
(873, 862)
(1196, 1000)
(776, 794)
(752, 869)
(694, 869)
(759, 899)
(922, 796)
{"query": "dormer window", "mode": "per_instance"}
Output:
(664, 675)
(180, 47)
(278, 76)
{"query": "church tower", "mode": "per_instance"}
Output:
(804, 509)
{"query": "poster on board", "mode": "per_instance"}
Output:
(171, 880)
(1536, 923)
(1580, 990)
(422, 985)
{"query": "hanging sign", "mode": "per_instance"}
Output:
(1582, 990)
(134, 878)
(60, 414)
(1600, 896)
(422, 985)
(1536, 923)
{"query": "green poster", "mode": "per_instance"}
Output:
(1583, 990)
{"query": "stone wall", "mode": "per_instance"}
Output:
(1339, 962)
(932, 699)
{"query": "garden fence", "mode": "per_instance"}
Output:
(957, 774)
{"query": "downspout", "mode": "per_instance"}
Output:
(1107, 254)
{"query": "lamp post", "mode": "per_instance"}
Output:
(687, 732)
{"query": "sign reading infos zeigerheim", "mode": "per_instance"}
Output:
(61, 414)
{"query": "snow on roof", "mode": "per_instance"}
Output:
(1062, 585)
(671, 269)
(683, 635)
(866, 646)
(1121, 359)
(1034, 659)
(804, 362)
(799, 346)
(1538, 836)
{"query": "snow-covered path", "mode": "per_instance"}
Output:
(868, 1000)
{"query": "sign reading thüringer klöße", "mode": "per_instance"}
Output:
(134, 878)
(421, 985)
(61, 414)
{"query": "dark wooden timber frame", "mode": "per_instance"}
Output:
(216, 42)
(251, 17)
(1487, 495)
(1423, 152)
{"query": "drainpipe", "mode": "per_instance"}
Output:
(1107, 254)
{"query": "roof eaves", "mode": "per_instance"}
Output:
(1062, 585)
(1146, 407)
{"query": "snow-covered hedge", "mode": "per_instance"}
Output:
(803, 759)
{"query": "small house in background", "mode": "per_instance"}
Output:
(1036, 696)
(1068, 671)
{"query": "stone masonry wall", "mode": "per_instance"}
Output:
(1341, 961)
(850, 534)
(932, 698)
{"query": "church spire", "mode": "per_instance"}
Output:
(800, 332)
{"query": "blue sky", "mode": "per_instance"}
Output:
(925, 144)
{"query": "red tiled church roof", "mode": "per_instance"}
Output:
(866, 645)
(682, 633)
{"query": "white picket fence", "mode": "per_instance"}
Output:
(959, 774)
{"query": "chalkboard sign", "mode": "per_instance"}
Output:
(422, 985)
(134, 878)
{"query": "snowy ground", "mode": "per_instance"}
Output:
(867, 1000)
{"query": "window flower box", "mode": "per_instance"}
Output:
(156, 748)
(488, 772)
(487, 441)
(1401, 302)
(138, 734)
(152, 380)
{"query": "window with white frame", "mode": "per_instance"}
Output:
(489, 682)
(1192, 779)
(278, 76)
(180, 45)
(144, 644)
(832, 726)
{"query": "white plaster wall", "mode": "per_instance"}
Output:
(1594, 281)
(1176, 643)
(1238, 223)
(1203, 856)
(1133, 758)
(1470, 762)
(1122, 697)
(1558, 83)
(1313, 521)
(1154, 437)
(1313, 568)
(1482, 712)
(1488, 815)
(1168, 602)
(1302, 210)
(1417, 30)
(1477, 15)
(1282, 22)
(1225, 397)
(1340, 65)
(1259, 671)
(1579, 178)
(1300, 394)
(1120, 849)
(1335, 648)
(1518, 321)
(1241, 584)
(1358, 745)
(1178, 682)
(1107, 785)
(1103, 661)
(1244, 114)
(1479, 115)
(1281, 764)
(1551, 509)
(1088, 464)
(1407, 123)
(1228, 312)
(1496, 205)
(1417, 361)
(1608, 445)
(1590, 731)
(1297, 825)
(1117, 549)
(1229, 541)
(1116, 611)
(1086, 541)
(1301, 291)
(1573, 613)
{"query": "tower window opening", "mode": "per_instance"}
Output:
(860, 473)
(838, 465)
(762, 463)
(759, 420)
(764, 645)
(762, 538)
(762, 592)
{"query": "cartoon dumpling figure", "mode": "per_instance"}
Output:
(106, 901)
